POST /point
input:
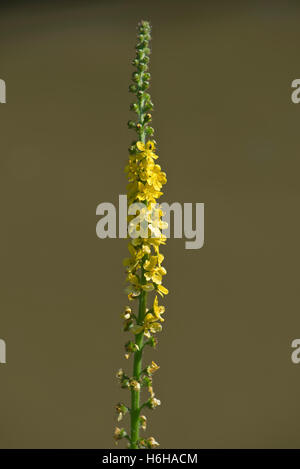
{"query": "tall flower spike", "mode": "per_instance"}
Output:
(144, 266)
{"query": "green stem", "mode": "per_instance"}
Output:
(137, 368)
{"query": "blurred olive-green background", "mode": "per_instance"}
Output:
(228, 136)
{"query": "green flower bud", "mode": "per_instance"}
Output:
(149, 131)
(131, 125)
(140, 55)
(125, 384)
(131, 347)
(142, 67)
(141, 46)
(128, 325)
(152, 342)
(148, 106)
(133, 107)
(147, 118)
(133, 88)
(145, 85)
(147, 381)
(121, 410)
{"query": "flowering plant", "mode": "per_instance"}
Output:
(144, 266)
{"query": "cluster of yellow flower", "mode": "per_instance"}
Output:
(145, 176)
(144, 269)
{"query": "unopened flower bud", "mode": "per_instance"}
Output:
(131, 347)
(147, 381)
(143, 422)
(135, 385)
(153, 402)
(121, 410)
(127, 313)
(151, 442)
(119, 434)
(132, 88)
(120, 374)
(149, 130)
(125, 384)
(131, 124)
(152, 342)
(145, 85)
(133, 107)
(148, 106)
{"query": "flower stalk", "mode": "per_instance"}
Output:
(144, 266)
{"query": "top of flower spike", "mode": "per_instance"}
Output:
(141, 82)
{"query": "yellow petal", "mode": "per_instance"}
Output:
(160, 258)
(155, 327)
(140, 146)
(156, 277)
(149, 318)
(150, 145)
(162, 290)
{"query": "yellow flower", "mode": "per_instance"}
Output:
(156, 242)
(158, 310)
(152, 368)
(150, 326)
(142, 147)
(152, 271)
(147, 192)
(147, 149)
